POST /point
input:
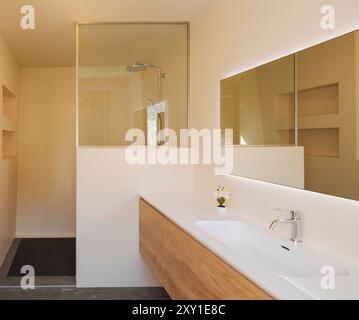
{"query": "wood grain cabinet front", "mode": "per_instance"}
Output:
(187, 269)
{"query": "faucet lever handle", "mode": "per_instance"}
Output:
(294, 214)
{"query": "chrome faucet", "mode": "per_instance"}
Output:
(295, 225)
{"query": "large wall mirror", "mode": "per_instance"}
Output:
(296, 120)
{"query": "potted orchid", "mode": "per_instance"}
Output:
(222, 194)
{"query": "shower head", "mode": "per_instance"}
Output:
(138, 67)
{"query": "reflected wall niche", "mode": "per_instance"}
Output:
(9, 123)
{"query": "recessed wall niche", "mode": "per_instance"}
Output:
(323, 142)
(9, 104)
(318, 109)
(320, 100)
(8, 124)
(9, 144)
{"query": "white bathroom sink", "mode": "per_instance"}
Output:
(274, 254)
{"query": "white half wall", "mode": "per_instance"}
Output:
(107, 215)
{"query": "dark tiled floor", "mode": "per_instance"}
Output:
(84, 294)
(40, 281)
(64, 288)
(48, 256)
(4, 269)
(6, 281)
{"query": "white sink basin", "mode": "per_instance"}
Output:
(272, 253)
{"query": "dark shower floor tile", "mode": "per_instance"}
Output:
(48, 256)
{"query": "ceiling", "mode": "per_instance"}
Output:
(52, 43)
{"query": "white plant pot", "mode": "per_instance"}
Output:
(222, 211)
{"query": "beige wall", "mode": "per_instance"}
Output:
(47, 153)
(233, 36)
(9, 77)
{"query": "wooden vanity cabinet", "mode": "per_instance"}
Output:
(184, 267)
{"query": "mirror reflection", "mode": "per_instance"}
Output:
(257, 104)
(295, 120)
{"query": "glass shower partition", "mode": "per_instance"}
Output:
(131, 76)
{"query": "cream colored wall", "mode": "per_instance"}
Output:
(9, 76)
(284, 165)
(47, 153)
(233, 36)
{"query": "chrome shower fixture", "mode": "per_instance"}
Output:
(139, 67)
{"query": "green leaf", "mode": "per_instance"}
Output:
(221, 201)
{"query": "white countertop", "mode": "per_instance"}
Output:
(184, 211)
